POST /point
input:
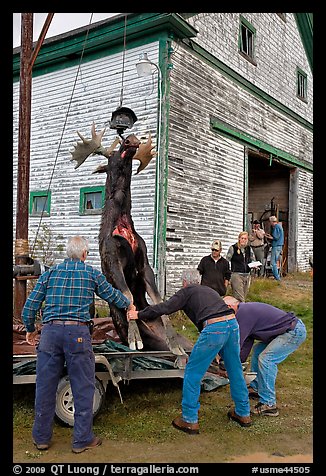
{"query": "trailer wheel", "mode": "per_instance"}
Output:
(64, 409)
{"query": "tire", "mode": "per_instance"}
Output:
(64, 408)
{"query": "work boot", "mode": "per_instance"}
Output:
(191, 428)
(41, 446)
(242, 420)
(96, 442)
(253, 394)
(267, 410)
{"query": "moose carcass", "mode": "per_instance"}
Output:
(123, 251)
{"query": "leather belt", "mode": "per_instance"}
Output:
(259, 246)
(64, 322)
(218, 319)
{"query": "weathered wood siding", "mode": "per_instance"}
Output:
(278, 52)
(95, 97)
(206, 179)
(305, 220)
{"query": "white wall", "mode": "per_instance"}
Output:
(94, 98)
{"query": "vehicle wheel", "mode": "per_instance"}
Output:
(64, 408)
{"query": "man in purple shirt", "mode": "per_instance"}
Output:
(278, 333)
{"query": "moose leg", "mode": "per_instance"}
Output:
(114, 254)
(171, 335)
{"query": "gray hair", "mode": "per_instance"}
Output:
(190, 276)
(76, 246)
(232, 302)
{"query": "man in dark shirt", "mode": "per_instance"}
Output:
(279, 333)
(68, 290)
(215, 270)
(219, 334)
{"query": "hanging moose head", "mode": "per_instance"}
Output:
(130, 148)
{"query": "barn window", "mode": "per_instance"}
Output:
(39, 203)
(301, 85)
(91, 200)
(282, 16)
(247, 40)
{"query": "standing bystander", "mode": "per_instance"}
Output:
(215, 270)
(277, 237)
(240, 255)
(257, 243)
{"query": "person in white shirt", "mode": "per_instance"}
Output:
(257, 243)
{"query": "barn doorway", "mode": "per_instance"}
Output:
(270, 192)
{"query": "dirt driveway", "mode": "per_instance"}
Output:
(186, 449)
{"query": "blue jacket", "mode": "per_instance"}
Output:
(278, 235)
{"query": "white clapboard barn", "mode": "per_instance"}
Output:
(229, 104)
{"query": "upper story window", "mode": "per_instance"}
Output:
(40, 203)
(91, 200)
(247, 35)
(282, 15)
(301, 85)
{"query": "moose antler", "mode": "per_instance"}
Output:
(91, 146)
(144, 154)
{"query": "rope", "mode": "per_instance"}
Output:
(63, 130)
(123, 60)
(21, 247)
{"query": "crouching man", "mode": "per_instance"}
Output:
(279, 334)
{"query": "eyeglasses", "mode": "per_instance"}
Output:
(214, 249)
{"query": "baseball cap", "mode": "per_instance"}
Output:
(216, 245)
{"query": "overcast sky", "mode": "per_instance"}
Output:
(60, 23)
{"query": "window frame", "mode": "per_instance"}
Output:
(249, 27)
(82, 194)
(40, 193)
(282, 16)
(301, 74)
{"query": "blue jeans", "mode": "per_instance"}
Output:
(275, 256)
(60, 343)
(219, 338)
(266, 357)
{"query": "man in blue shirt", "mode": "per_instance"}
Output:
(68, 291)
(277, 238)
(278, 333)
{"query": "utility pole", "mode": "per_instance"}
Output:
(27, 59)
(25, 97)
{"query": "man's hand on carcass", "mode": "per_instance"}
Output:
(132, 314)
(134, 338)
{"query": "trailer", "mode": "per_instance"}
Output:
(117, 366)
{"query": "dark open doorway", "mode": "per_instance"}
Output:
(268, 194)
